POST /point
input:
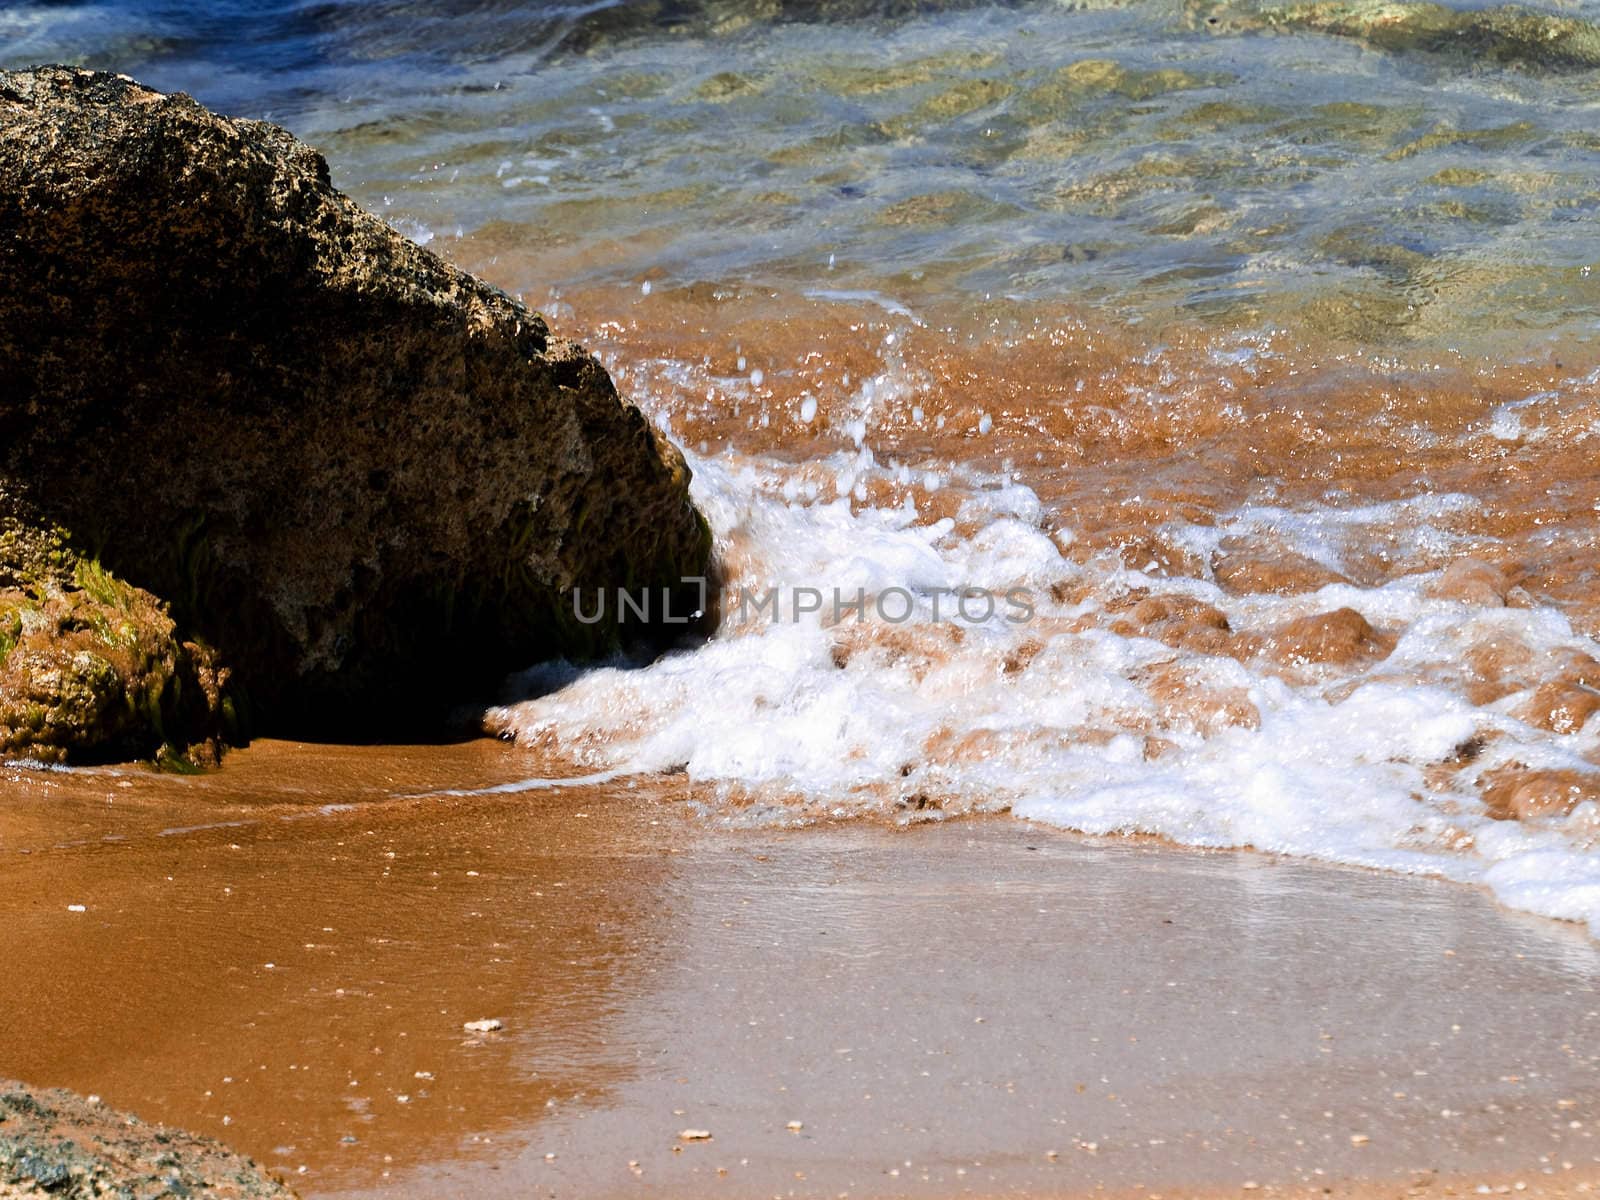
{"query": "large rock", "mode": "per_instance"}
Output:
(58, 1145)
(365, 477)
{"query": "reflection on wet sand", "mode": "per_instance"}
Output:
(977, 1007)
(284, 955)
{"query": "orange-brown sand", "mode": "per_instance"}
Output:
(284, 955)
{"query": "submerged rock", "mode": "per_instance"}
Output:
(584, 29)
(1504, 34)
(55, 1144)
(367, 478)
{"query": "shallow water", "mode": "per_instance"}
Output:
(1150, 158)
(1254, 345)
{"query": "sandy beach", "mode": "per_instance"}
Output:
(284, 955)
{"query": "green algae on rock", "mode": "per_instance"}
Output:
(56, 1144)
(92, 667)
(368, 479)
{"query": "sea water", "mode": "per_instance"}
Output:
(1255, 349)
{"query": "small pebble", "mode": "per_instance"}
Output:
(486, 1025)
(695, 1135)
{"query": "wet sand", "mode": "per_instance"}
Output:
(283, 955)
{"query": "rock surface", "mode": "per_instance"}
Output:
(55, 1144)
(1504, 34)
(368, 479)
(91, 667)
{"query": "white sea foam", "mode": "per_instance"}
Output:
(798, 719)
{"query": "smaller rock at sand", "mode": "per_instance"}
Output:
(485, 1025)
(58, 1146)
(695, 1135)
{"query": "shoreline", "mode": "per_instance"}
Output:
(1238, 358)
(1197, 997)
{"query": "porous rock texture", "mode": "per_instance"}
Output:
(364, 477)
(66, 1147)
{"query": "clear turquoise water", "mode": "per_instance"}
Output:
(1126, 156)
